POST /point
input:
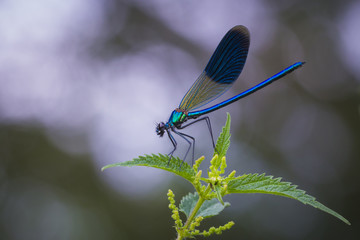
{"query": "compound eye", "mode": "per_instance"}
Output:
(160, 129)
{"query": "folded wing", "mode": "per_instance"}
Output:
(224, 67)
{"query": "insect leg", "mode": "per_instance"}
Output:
(207, 119)
(183, 135)
(174, 143)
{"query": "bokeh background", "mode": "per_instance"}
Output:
(82, 84)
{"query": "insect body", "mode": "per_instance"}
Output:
(222, 70)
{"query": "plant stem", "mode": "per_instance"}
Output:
(179, 237)
(195, 210)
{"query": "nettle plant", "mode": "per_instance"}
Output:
(207, 200)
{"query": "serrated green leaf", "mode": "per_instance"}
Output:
(255, 183)
(211, 208)
(176, 165)
(208, 209)
(223, 141)
(188, 203)
(218, 189)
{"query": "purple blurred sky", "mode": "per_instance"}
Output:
(48, 78)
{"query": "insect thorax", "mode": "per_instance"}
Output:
(178, 117)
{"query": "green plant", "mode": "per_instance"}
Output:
(207, 201)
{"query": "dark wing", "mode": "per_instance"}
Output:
(223, 69)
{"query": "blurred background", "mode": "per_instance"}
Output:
(83, 83)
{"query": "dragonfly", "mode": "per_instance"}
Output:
(222, 70)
